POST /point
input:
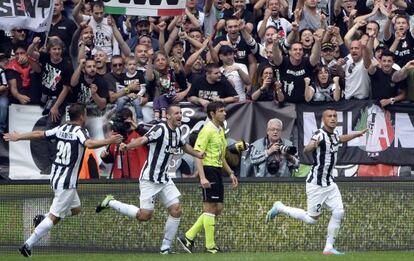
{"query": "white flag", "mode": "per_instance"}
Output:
(35, 15)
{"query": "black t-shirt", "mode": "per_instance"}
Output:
(54, 75)
(64, 29)
(339, 22)
(139, 76)
(82, 92)
(168, 84)
(33, 91)
(292, 77)
(202, 89)
(113, 81)
(192, 77)
(382, 85)
(241, 49)
(405, 49)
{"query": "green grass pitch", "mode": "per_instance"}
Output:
(308, 256)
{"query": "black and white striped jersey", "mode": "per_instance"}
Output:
(324, 158)
(163, 143)
(70, 140)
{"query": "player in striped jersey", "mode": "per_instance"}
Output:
(321, 191)
(71, 140)
(164, 139)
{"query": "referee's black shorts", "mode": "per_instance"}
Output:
(216, 192)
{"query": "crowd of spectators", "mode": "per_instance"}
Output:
(291, 51)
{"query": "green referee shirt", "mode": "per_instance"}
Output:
(212, 141)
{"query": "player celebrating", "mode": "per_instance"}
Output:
(164, 139)
(71, 140)
(212, 141)
(320, 188)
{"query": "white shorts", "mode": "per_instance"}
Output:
(64, 201)
(168, 193)
(319, 197)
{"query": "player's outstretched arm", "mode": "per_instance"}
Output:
(190, 150)
(348, 137)
(312, 145)
(134, 143)
(15, 136)
(113, 139)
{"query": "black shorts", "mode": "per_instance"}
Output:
(216, 192)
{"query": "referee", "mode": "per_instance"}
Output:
(211, 141)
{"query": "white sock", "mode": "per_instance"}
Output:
(39, 232)
(333, 228)
(298, 214)
(170, 230)
(125, 209)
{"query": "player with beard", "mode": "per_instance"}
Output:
(164, 140)
(321, 190)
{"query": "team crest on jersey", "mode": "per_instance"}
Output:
(380, 134)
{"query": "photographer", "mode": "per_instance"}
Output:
(273, 156)
(126, 164)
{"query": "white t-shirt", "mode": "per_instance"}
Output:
(235, 78)
(357, 82)
(278, 23)
(103, 36)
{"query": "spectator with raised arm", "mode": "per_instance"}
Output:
(324, 88)
(295, 67)
(21, 78)
(56, 73)
(268, 88)
(88, 87)
(383, 88)
(103, 33)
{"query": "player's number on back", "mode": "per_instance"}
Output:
(63, 153)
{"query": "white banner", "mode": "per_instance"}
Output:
(145, 7)
(35, 15)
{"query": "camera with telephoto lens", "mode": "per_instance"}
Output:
(119, 125)
(274, 159)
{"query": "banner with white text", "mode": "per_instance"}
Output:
(145, 7)
(34, 15)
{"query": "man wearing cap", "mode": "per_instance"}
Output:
(233, 39)
(143, 28)
(328, 59)
(236, 73)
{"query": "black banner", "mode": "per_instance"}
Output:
(389, 139)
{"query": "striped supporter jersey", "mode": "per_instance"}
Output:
(163, 143)
(324, 158)
(70, 140)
